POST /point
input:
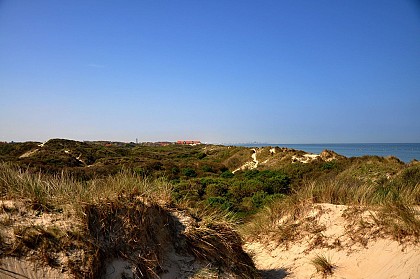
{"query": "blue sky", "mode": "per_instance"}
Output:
(217, 71)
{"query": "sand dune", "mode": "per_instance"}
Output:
(377, 258)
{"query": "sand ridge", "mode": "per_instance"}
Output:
(378, 258)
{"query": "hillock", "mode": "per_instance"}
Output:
(124, 225)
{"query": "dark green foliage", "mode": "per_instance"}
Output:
(242, 189)
(207, 168)
(328, 165)
(201, 155)
(271, 182)
(189, 191)
(220, 202)
(226, 174)
(247, 191)
(216, 188)
(259, 199)
(189, 172)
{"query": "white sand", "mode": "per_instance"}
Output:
(380, 259)
(29, 153)
(251, 164)
(306, 158)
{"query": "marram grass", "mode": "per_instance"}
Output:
(323, 265)
(55, 191)
(396, 203)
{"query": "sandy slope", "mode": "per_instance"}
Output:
(173, 243)
(379, 258)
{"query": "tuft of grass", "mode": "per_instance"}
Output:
(213, 238)
(278, 221)
(323, 265)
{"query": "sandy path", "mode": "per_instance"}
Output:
(251, 164)
(254, 159)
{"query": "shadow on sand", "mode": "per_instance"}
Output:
(274, 273)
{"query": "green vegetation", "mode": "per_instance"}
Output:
(114, 191)
(202, 175)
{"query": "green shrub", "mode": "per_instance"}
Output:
(221, 202)
(242, 189)
(216, 189)
(328, 165)
(207, 168)
(227, 174)
(175, 170)
(201, 155)
(189, 172)
(279, 183)
(259, 199)
(189, 191)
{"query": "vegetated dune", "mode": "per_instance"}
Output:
(124, 226)
(124, 238)
(337, 241)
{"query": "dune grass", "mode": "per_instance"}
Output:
(125, 206)
(395, 202)
(399, 220)
(323, 265)
(125, 216)
(49, 192)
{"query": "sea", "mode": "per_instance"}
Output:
(406, 152)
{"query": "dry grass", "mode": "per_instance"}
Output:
(395, 202)
(125, 216)
(213, 238)
(219, 245)
(52, 192)
(117, 214)
(120, 227)
(323, 265)
(399, 220)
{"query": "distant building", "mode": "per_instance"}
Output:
(188, 142)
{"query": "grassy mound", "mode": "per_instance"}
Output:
(124, 223)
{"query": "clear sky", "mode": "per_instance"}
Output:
(220, 71)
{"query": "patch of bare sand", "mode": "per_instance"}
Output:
(16, 218)
(251, 164)
(378, 258)
(29, 153)
(11, 268)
